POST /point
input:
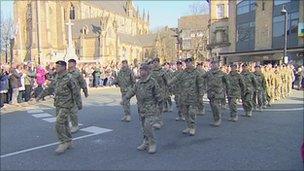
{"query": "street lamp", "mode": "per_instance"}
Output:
(285, 13)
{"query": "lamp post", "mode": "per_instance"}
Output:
(285, 13)
(12, 42)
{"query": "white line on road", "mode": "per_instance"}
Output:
(35, 111)
(51, 120)
(48, 145)
(278, 110)
(42, 115)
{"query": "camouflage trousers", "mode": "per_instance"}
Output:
(62, 124)
(148, 129)
(247, 101)
(189, 111)
(215, 108)
(159, 114)
(177, 102)
(200, 106)
(73, 116)
(126, 105)
(232, 101)
(258, 98)
(167, 103)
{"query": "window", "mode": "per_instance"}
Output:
(278, 24)
(220, 11)
(279, 2)
(246, 6)
(245, 32)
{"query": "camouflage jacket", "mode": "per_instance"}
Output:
(125, 79)
(260, 81)
(249, 82)
(161, 77)
(66, 92)
(236, 84)
(80, 82)
(148, 96)
(216, 82)
(191, 84)
(176, 88)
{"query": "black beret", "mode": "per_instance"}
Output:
(156, 59)
(124, 61)
(62, 63)
(257, 66)
(233, 65)
(72, 60)
(144, 66)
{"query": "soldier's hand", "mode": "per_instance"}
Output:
(86, 95)
(79, 107)
(121, 102)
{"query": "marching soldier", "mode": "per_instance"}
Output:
(216, 81)
(148, 95)
(236, 88)
(261, 87)
(80, 84)
(65, 99)
(161, 77)
(250, 87)
(176, 89)
(201, 107)
(125, 80)
(191, 83)
(168, 101)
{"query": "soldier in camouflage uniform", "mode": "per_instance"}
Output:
(168, 101)
(250, 87)
(65, 99)
(125, 80)
(260, 88)
(191, 83)
(176, 89)
(80, 84)
(216, 82)
(148, 95)
(236, 88)
(201, 107)
(161, 77)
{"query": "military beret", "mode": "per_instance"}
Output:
(233, 65)
(166, 63)
(189, 60)
(214, 62)
(257, 66)
(72, 60)
(124, 61)
(62, 63)
(245, 65)
(144, 66)
(179, 63)
(156, 59)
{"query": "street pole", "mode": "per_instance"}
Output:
(37, 25)
(285, 13)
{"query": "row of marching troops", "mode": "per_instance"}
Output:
(255, 86)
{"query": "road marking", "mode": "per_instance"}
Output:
(51, 120)
(278, 110)
(92, 128)
(35, 111)
(42, 115)
(95, 129)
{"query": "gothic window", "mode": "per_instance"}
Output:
(72, 12)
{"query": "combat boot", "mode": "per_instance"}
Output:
(234, 119)
(74, 129)
(178, 118)
(143, 146)
(186, 131)
(70, 145)
(123, 119)
(260, 109)
(128, 118)
(170, 108)
(216, 123)
(62, 148)
(249, 114)
(152, 148)
(157, 126)
(192, 132)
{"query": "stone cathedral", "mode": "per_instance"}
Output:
(102, 31)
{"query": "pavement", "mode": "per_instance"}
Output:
(270, 140)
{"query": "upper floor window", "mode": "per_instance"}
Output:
(279, 2)
(220, 11)
(246, 6)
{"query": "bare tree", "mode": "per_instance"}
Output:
(7, 32)
(197, 8)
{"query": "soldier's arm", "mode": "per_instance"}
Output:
(200, 84)
(47, 91)
(157, 94)
(83, 85)
(253, 80)
(226, 82)
(132, 77)
(131, 92)
(175, 79)
(75, 94)
(263, 82)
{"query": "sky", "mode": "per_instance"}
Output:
(162, 12)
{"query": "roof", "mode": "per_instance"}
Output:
(193, 21)
(115, 6)
(93, 25)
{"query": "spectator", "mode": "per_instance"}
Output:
(96, 77)
(4, 85)
(40, 80)
(15, 83)
(22, 87)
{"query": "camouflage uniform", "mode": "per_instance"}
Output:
(191, 83)
(125, 80)
(167, 100)
(201, 101)
(236, 88)
(148, 95)
(80, 84)
(250, 87)
(177, 90)
(260, 90)
(66, 97)
(161, 77)
(216, 81)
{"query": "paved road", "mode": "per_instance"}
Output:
(270, 140)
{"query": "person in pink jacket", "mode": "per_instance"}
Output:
(40, 79)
